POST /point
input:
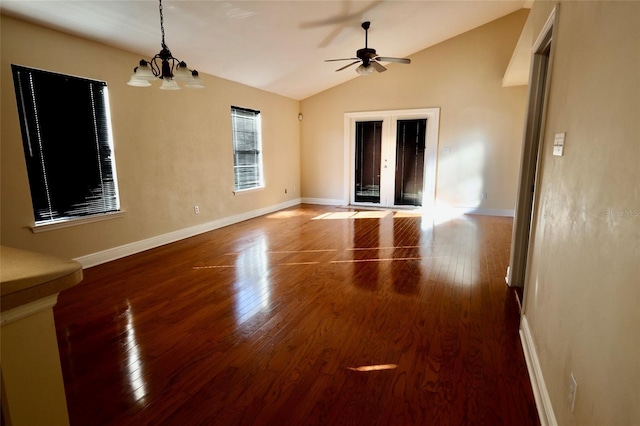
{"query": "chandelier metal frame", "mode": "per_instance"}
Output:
(166, 67)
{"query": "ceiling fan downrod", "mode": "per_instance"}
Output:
(365, 27)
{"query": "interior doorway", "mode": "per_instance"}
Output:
(391, 158)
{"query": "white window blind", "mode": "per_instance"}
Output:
(247, 156)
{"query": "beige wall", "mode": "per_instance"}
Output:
(582, 300)
(480, 122)
(173, 149)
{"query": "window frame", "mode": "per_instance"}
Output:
(257, 151)
(45, 141)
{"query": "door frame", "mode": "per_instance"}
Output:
(389, 120)
(532, 149)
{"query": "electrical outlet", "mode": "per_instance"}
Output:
(573, 388)
(484, 195)
(196, 209)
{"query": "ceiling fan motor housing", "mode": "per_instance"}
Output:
(366, 55)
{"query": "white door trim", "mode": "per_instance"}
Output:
(532, 146)
(389, 119)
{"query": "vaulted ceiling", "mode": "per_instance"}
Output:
(277, 46)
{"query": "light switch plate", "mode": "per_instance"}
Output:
(573, 388)
(558, 144)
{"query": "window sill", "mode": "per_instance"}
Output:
(249, 190)
(43, 227)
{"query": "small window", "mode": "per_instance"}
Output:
(66, 135)
(247, 156)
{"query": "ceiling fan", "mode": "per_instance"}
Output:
(369, 58)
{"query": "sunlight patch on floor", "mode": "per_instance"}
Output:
(374, 214)
(387, 259)
(374, 367)
(333, 216)
(286, 214)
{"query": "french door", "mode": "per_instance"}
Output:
(368, 165)
(392, 158)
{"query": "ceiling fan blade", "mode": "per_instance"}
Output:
(378, 66)
(347, 66)
(332, 35)
(345, 16)
(397, 60)
(343, 59)
(342, 21)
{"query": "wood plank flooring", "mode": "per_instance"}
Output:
(311, 315)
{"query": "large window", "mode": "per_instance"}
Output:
(66, 134)
(247, 157)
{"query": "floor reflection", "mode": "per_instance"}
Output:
(253, 288)
(405, 276)
(367, 239)
(134, 364)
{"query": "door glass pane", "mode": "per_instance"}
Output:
(367, 167)
(410, 146)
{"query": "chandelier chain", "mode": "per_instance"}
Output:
(164, 46)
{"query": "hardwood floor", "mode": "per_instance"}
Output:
(311, 315)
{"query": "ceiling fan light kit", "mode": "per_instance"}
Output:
(362, 70)
(368, 58)
(164, 66)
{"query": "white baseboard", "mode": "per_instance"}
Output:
(487, 212)
(323, 201)
(540, 393)
(159, 240)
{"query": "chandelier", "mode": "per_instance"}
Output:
(164, 66)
